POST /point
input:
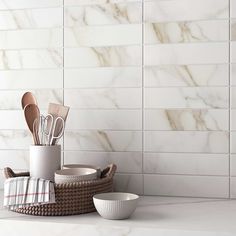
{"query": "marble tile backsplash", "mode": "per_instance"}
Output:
(151, 85)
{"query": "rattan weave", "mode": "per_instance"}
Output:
(71, 198)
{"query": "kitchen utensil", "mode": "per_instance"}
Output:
(28, 98)
(32, 113)
(75, 175)
(70, 166)
(51, 130)
(44, 161)
(57, 110)
(115, 206)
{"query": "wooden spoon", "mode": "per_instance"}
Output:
(32, 114)
(28, 98)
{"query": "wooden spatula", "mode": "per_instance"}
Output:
(32, 117)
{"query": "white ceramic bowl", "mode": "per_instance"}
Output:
(70, 166)
(115, 206)
(74, 175)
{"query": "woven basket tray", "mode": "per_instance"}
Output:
(71, 198)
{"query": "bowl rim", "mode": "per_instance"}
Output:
(70, 166)
(97, 197)
(59, 173)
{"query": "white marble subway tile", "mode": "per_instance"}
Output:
(233, 52)
(104, 119)
(92, 2)
(31, 79)
(11, 99)
(130, 183)
(200, 98)
(233, 119)
(101, 140)
(186, 119)
(186, 75)
(233, 30)
(31, 39)
(15, 159)
(127, 162)
(31, 18)
(186, 31)
(233, 8)
(233, 97)
(182, 10)
(8, 120)
(30, 59)
(188, 186)
(186, 141)
(109, 98)
(182, 54)
(24, 4)
(233, 165)
(103, 56)
(233, 187)
(103, 14)
(233, 141)
(186, 164)
(233, 74)
(15, 139)
(99, 36)
(103, 77)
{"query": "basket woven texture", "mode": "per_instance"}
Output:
(71, 198)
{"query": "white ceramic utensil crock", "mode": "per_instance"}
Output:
(44, 161)
(115, 206)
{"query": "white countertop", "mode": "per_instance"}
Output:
(164, 216)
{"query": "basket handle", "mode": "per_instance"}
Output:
(109, 171)
(9, 173)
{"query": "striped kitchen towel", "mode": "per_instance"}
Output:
(27, 191)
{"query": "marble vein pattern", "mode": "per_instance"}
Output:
(212, 97)
(109, 98)
(103, 56)
(186, 75)
(187, 119)
(24, 4)
(127, 162)
(197, 186)
(186, 141)
(181, 10)
(182, 54)
(30, 59)
(98, 36)
(101, 140)
(186, 164)
(31, 18)
(31, 39)
(11, 99)
(104, 77)
(186, 31)
(103, 14)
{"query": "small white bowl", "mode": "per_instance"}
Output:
(74, 175)
(70, 166)
(115, 206)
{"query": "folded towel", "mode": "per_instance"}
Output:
(27, 191)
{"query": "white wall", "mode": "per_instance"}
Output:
(150, 85)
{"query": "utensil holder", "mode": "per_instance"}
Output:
(44, 161)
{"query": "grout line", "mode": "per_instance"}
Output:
(229, 98)
(63, 72)
(143, 100)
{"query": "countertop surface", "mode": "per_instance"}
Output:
(164, 216)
